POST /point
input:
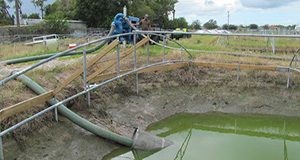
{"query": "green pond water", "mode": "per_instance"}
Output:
(216, 136)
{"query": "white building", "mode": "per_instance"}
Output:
(297, 28)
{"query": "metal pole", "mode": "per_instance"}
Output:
(273, 45)
(134, 51)
(148, 52)
(55, 114)
(296, 59)
(164, 48)
(228, 20)
(1, 148)
(228, 15)
(288, 80)
(85, 84)
(235, 126)
(238, 73)
(181, 54)
(118, 59)
(5, 80)
(135, 64)
(137, 82)
(77, 95)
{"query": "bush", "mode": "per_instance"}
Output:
(56, 24)
(34, 16)
(53, 24)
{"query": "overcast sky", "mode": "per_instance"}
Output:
(241, 11)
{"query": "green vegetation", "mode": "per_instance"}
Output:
(100, 13)
(5, 18)
(40, 4)
(34, 16)
(253, 26)
(196, 25)
(211, 24)
(231, 27)
(178, 23)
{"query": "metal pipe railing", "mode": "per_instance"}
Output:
(135, 69)
(221, 34)
(6, 131)
(99, 40)
(3, 81)
(13, 76)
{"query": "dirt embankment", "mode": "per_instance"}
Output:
(190, 89)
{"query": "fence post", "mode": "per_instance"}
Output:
(135, 62)
(1, 148)
(164, 48)
(134, 51)
(118, 59)
(289, 79)
(148, 52)
(238, 73)
(273, 45)
(55, 114)
(181, 54)
(85, 84)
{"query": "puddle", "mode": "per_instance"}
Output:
(216, 136)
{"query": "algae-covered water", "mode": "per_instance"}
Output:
(216, 136)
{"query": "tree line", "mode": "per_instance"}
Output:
(99, 13)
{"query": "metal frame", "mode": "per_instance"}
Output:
(5, 80)
(136, 69)
(85, 83)
(79, 94)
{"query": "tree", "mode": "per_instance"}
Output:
(253, 26)
(291, 27)
(18, 12)
(139, 8)
(162, 10)
(231, 27)
(266, 27)
(196, 25)
(177, 23)
(159, 10)
(5, 17)
(66, 8)
(211, 24)
(55, 24)
(98, 13)
(34, 16)
(40, 3)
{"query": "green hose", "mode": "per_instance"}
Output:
(76, 118)
(44, 56)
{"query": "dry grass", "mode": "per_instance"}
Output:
(206, 43)
(19, 49)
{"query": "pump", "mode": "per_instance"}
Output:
(120, 25)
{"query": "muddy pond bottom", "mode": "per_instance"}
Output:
(217, 136)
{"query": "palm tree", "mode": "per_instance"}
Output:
(18, 4)
(40, 4)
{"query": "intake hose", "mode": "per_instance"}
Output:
(140, 140)
(76, 118)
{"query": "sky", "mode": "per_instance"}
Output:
(286, 12)
(260, 12)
